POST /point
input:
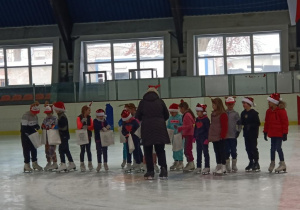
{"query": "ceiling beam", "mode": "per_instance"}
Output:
(65, 24)
(178, 21)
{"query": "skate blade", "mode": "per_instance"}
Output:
(206, 173)
(280, 172)
(149, 178)
(27, 172)
(163, 178)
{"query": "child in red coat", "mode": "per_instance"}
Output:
(276, 127)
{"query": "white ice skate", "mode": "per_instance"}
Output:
(47, 166)
(206, 171)
(189, 167)
(221, 171)
(272, 166)
(27, 168)
(139, 168)
(71, 166)
(36, 166)
(218, 167)
(234, 168)
(54, 166)
(281, 168)
(90, 166)
(228, 168)
(128, 168)
(134, 165)
(99, 167)
(106, 167)
(174, 166)
(82, 167)
(123, 164)
(198, 170)
(180, 166)
(62, 167)
(156, 168)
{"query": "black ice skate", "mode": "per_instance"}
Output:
(163, 173)
(256, 167)
(149, 175)
(249, 167)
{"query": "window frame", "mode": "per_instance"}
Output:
(225, 56)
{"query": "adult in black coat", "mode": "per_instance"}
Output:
(153, 113)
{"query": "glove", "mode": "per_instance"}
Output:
(237, 134)
(266, 136)
(206, 142)
(284, 137)
(37, 127)
(108, 127)
(84, 127)
(84, 121)
(104, 129)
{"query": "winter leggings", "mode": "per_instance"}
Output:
(251, 148)
(136, 152)
(124, 151)
(27, 149)
(276, 143)
(231, 145)
(64, 150)
(101, 150)
(201, 147)
(86, 147)
(219, 147)
(50, 152)
(178, 155)
(188, 148)
(161, 155)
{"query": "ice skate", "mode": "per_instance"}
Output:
(228, 168)
(281, 168)
(206, 171)
(54, 166)
(234, 169)
(62, 167)
(249, 167)
(123, 164)
(256, 167)
(99, 167)
(47, 166)
(134, 165)
(27, 168)
(156, 168)
(174, 166)
(189, 167)
(163, 173)
(179, 166)
(218, 167)
(272, 166)
(221, 171)
(71, 166)
(82, 167)
(90, 165)
(149, 175)
(106, 167)
(36, 166)
(128, 168)
(198, 170)
(138, 168)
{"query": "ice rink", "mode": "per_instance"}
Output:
(116, 190)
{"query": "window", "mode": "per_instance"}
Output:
(238, 53)
(116, 58)
(26, 65)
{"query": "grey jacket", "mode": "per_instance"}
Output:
(234, 124)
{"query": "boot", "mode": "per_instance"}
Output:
(156, 168)
(54, 166)
(90, 165)
(27, 168)
(62, 167)
(256, 167)
(173, 167)
(272, 166)
(138, 168)
(82, 167)
(163, 173)
(128, 168)
(134, 165)
(222, 170)
(282, 167)
(206, 171)
(189, 167)
(36, 166)
(228, 168)
(234, 168)
(123, 164)
(249, 167)
(98, 167)
(218, 167)
(47, 166)
(149, 175)
(198, 170)
(106, 167)
(71, 166)
(179, 166)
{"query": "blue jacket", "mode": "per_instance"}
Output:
(177, 120)
(98, 125)
(201, 128)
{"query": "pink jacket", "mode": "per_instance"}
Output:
(187, 127)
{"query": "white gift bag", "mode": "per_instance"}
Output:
(82, 137)
(44, 137)
(130, 144)
(35, 139)
(107, 138)
(138, 132)
(122, 137)
(53, 137)
(177, 142)
(171, 134)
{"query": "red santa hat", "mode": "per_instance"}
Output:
(59, 106)
(100, 113)
(274, 98)
(249, 100)
(229, 100)
(153, 88)
(173, 107)
(34, 108)
(126, 115)
(201, 108)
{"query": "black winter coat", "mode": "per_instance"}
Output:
(153, 113)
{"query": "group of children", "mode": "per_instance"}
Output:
(222, 129)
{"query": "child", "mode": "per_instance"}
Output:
(234, 129)
(100, 124)
(130, 125)
(276, 127)
(120, 123)
(49, 122)
(63, 128)
(30, 125)
(187, 129)
(217, 134)
(84, 121)
(201, 135)
(251, 123)
(175, 120)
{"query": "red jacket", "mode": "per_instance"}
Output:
(276, 122)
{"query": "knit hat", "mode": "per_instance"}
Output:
(173, 107)
(152, 88)
(34, 108)
(126, 115)
(100, 113)
(229, 100)
(249, 100)
(48, 108)
(202, 108)
(59, 106)
(274, 98)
